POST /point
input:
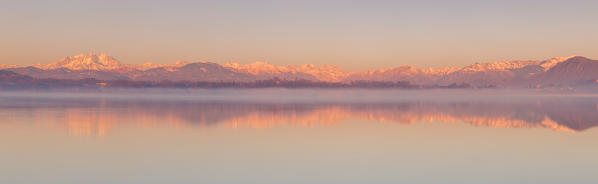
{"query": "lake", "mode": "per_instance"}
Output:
(298, 136)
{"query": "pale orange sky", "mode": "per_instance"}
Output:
(355, 35)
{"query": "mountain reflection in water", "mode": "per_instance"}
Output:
(100, 116)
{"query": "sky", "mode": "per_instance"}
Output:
(355, 35)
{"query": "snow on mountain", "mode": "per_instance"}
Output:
(402, 73)
(499, 73)
(257, 68)
(84, 62)
(328, 73)
(547, 64)
(5, 66)
(262, 70)
(505, 73)
(102, 62)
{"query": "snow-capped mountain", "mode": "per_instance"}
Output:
(499, 73)
(402, 73)
(559, 70)
(84, 62)
(264, 70)
(4, 66)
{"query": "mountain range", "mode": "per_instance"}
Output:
(559, 71)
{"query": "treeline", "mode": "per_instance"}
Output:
(275, 82)
(13, 81)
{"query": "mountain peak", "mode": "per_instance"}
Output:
(323, 73)
(4, 66)
(573, 71)
(578, 59)
(85, 62)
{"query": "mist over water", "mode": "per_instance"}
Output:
(301, 95)
(298, 136)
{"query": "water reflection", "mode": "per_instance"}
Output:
(100, 116)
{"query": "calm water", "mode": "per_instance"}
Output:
(298, 136)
